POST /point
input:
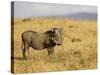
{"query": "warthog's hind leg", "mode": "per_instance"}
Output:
(26, 46)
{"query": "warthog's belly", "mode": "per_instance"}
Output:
(37, 43)
(37, 46)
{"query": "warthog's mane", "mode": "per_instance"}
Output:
(50, 33)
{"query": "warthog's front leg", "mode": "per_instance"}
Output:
(50, 50)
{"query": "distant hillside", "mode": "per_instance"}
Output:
(83, 16)
(77, 16)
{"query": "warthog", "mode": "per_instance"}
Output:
(39, 41)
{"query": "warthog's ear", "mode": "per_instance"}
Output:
(53, 29)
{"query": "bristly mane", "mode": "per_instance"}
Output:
(50, 33)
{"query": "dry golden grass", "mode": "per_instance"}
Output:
(77, 52)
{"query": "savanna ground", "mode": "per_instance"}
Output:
(78, 52)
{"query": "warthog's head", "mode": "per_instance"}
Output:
(57, 35)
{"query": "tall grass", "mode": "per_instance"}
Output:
(79, 49)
